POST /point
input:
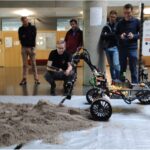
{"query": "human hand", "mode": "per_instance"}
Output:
(67, 72)
(130, 35)
(122, 36)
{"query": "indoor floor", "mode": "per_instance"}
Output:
(10, 78)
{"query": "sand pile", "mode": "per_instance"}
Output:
(20, 123)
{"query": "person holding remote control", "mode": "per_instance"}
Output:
(128, 34)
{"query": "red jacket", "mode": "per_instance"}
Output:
(73, 39)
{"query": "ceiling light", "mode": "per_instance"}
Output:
(81, 12)
(23, 12)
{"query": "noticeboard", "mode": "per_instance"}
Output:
(146, 38)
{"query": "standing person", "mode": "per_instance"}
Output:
(59, 67)
(27, 37)
(74, 37)
(128, 33)
(109, 44)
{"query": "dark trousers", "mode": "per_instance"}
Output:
(52, 76)
(131, 54)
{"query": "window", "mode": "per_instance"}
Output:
(46, 40)
(64, 24)
(10, 24)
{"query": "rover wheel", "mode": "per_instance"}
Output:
(91, 95)
(101, 110)
(143, 96)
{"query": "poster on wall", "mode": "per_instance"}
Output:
(95, 16)
(146, 38)
(8, 42)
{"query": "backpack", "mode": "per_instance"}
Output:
(104, 43)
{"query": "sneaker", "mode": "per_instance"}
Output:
(23, 82)
(37, 82)
(52, 91)
(117, 81)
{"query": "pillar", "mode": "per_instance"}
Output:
(93, 11)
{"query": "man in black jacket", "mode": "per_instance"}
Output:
(27, 37)
(108, 43)
(127, 32)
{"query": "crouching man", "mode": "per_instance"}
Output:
(59, 67)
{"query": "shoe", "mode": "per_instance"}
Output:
(52, 91)
(117, 81)
(112, 83)
(65, 91)
(23, 82)
(37, 82)
(67, 87)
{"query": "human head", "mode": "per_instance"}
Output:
(24, 21)
(112, 16)
(128, 11)
(61, 46)
(73, 23)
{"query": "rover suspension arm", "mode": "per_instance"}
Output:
(84, 55)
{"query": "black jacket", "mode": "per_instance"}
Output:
(108, 37)
(27, 35)
(132, 25)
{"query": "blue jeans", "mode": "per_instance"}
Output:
(113, 60)
(131, 54)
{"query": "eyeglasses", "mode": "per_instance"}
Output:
(113, 17)
(60, 48)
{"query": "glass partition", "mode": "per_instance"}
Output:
(46, 40)
(10, 24)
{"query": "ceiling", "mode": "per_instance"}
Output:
(43, 12)
(67, 8)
